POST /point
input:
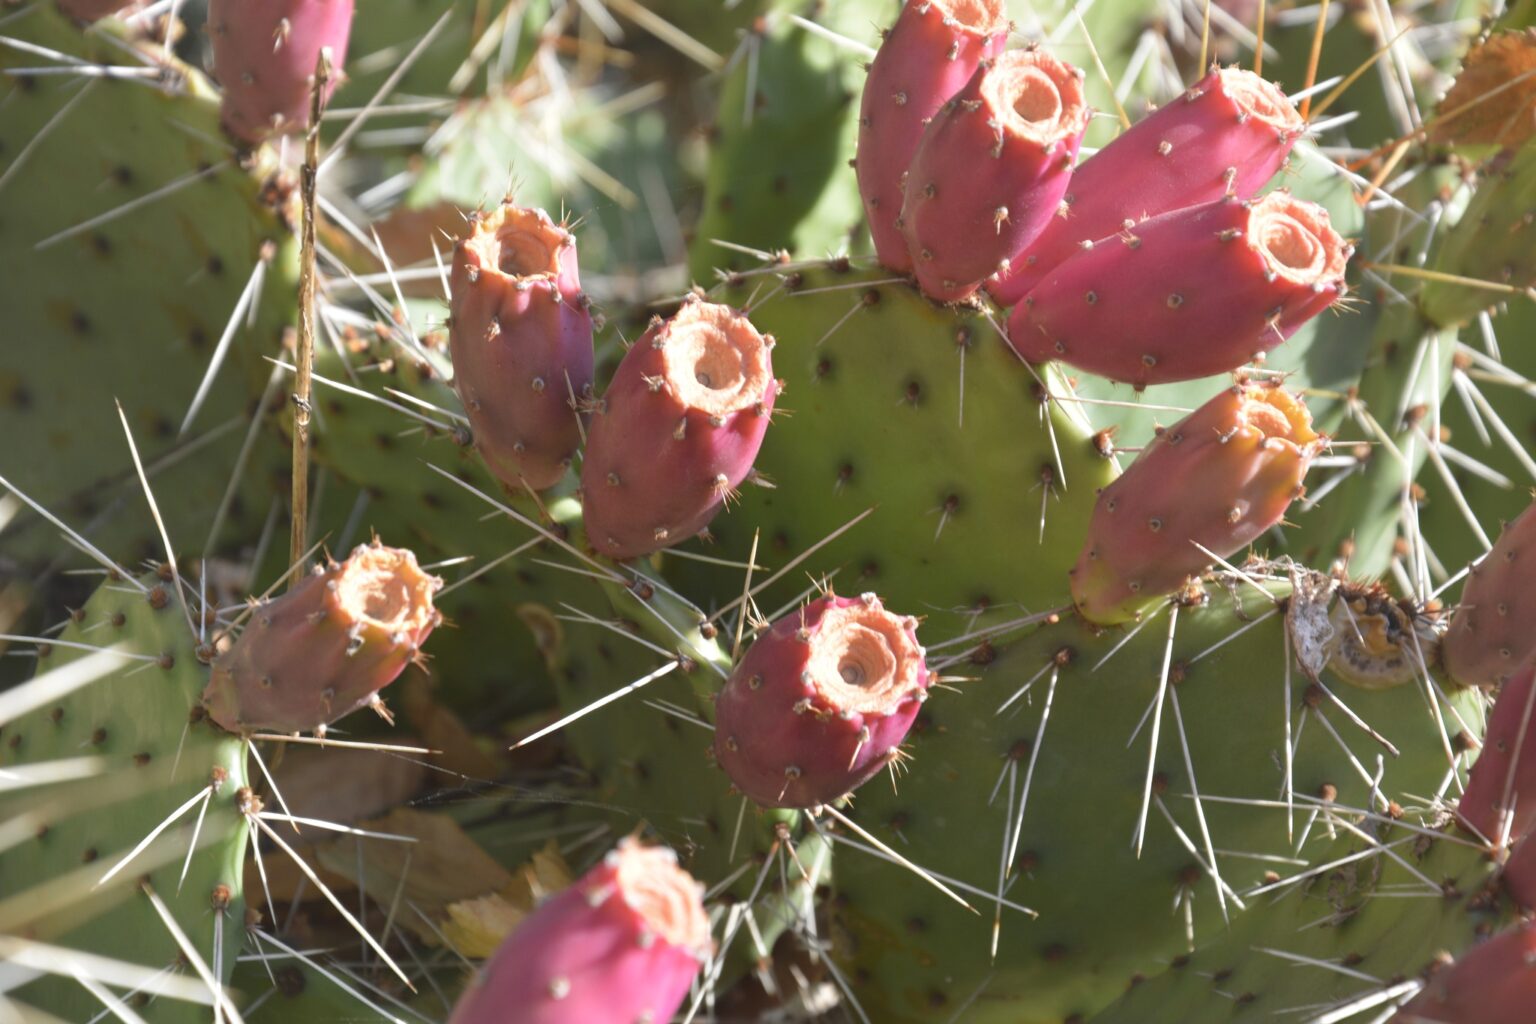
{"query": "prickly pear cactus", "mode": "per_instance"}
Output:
(136, 247)
(127, 809)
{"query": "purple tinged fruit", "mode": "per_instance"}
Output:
(927, 56)
(1220, 477)
(620, 946)
(521, 339)
(1499, 802)
(1492, 983)
(991, 170)
(820, 702)
(1490, 635)
(1228, 135)
(1192, 293)
(677, 430)
(326, 647)
(265, 52)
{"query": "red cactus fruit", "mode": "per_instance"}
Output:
(264, 53)
(1493, 983)
(1192, 293)
(677, 431)
(521, 338)
(820, 702)
(326, 647)
(621, 945)
(1228, 135)
(1220, 477)
(927, 56)
(1499, 802)
(991, 170)
(1520, 873)
(1490, 634)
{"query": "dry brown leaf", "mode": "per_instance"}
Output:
(443, 866)
(477, 926)
(1506, 119)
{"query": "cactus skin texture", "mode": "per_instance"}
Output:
(677, 430)
(327, 647)
(138, 715)
(1494, 983)
(1220, 477)
(1490, 636)
(820, 702)
(93, 10)
(264, 55)
(927, 56)
(1492, 242)
(991, 170)
(1497, 803)
(621, 945)
(1228, 135)
(1188, 294)
(521, 339)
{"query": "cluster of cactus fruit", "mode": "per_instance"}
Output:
(1218, 733)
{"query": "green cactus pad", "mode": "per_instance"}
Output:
(778, 175)
(132, 308)
(140, 725)
(875, 377)
(1360, 929)
(1106, 915)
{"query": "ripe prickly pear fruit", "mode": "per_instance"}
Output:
(1499, 802)
(1490, 635)
(820, 702)
(1188, 294)
(677, 431)
(621, 945)
(1494, 983)
(521, 340)
(264, 53)
(991, 170)
(927, 56)
(1227, 135)
(1219, 477)
(1520, 873)
(326, 647)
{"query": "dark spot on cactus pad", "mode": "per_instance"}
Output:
(937, 999)
(141, 759)
(101, 244)
(1054, 953)
(290, 982)
(88, 855)
(215, 265)
(79, 322)
(913, 393)
(916, 925)
(197, 338)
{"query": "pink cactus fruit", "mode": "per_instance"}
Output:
(1228, 135)
(1490, 635)
(677, 431)
(1520, 873)
(1218, 478)
(1195, 292)
(1499, 802)
(521, 339)
(326, 647)
(927, 56)
(820, 702)
(991, 170)
(94, 10)
(1492, 983)
(264, 54)
(621, 945)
